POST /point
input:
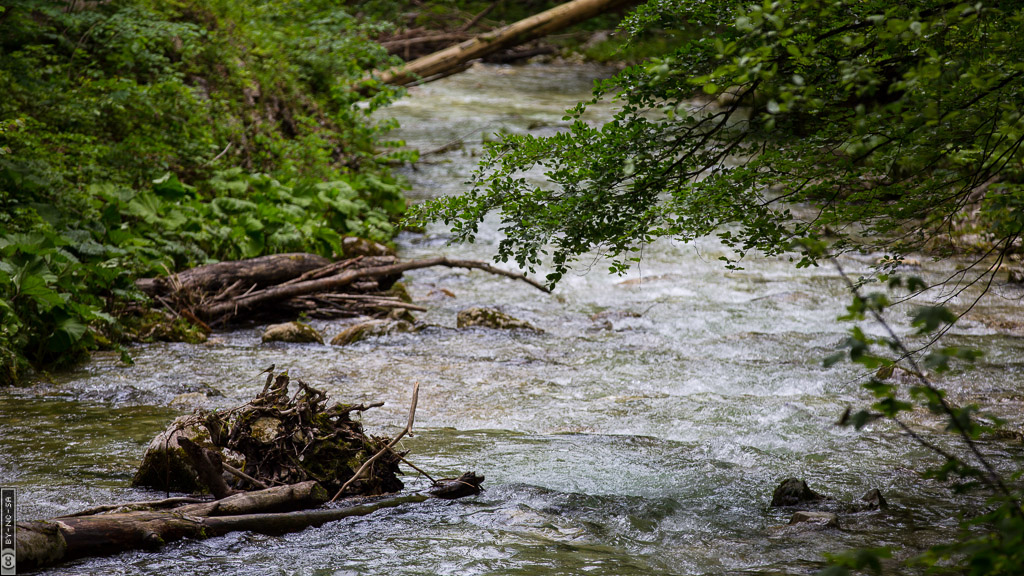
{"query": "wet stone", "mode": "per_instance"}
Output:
(491, 318)
(793, 492)
(872, 500)
(824, 519)
(292, 332)
(371, 329)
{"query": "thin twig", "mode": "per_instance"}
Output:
(238, 473)
(217, 157)
(414, 467)
(408, 429)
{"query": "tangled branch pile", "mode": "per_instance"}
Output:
(279, 437)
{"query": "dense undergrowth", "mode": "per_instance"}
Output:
(140, 137)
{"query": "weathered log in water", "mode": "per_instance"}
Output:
(272, 511)
(293, 283)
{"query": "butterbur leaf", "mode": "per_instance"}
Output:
(68, 332)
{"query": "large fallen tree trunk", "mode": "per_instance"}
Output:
(454, 58)
(149, 525)
(287, 284)
(343, 279)
(212, 278)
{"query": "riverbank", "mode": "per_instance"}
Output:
(138, 138)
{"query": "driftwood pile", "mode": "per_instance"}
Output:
(282, 285)
(280, 437)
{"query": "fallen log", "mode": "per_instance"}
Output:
(343, 279)
(212, 278)
(286, 284)
(275, 510)
(442, 62)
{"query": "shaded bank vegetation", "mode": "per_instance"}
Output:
(139, 137)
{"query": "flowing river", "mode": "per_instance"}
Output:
(640, 433)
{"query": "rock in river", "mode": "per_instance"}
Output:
(491, 318)
(371, 329)
(793, 492)
(825, 519)
(292, 332)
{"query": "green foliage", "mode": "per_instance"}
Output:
(893, 117)
(139, 137)
(39, 317)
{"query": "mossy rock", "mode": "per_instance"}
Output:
(401, 291)
(371, 329)
(296, 332)
(491, 318)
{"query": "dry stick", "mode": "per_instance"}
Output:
(238, 473)
(408, 428)
(415, 467)
(377, 301)
(476, 19)
(323, 271)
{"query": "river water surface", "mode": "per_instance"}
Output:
(641, 432)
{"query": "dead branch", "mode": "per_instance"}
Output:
(394, 441)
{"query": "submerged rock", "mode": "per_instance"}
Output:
(793, 492)
(292, 332)
(824, 519)
(872, 500)
(491, 318)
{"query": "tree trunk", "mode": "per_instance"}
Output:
(272, 511)
(213, 278)
(219, 310)
(553, 20)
